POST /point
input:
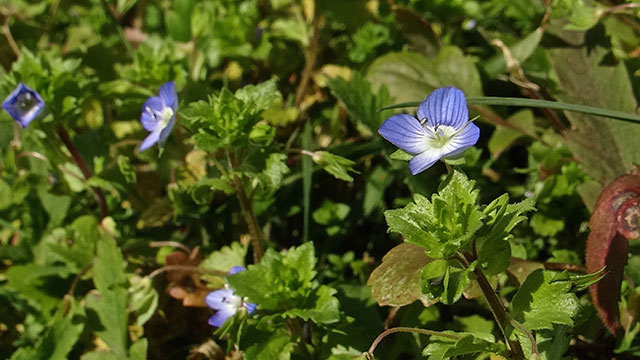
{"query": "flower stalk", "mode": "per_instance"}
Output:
(497, 308)
(246, 206)
(98, 194)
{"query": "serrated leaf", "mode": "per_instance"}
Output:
(275, 170)
(492, 247)
(260, 345)
(446, 224)
(443, 348)
(396, 282)
(543, 301)
(322, 307)
(282, 283)
(226, 258)
(111, 303)
(58, 340)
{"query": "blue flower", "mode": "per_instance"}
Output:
(23, 104)
(158, 115)
(442, 129)
(226, 302)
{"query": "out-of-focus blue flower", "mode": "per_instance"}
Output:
(23, 104)
(442, 129)
(226, 302)
(158, 115)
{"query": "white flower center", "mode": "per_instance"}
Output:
(233, 301)
(26, 102)
(165, 117)
(439, 135)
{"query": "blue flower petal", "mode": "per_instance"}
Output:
(155, 114)
(221, 316)
(462, 141)
(405, 132)
(236, 269)
(23, 104)
(148, 120)
(151, 139)
(250, 307)
(169, 96)
(445, 106)
(422, 162)
(154, 105)
(217, 299)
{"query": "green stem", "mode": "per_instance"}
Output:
(250, 218)
(296, 330)
(246, 206)
(497, 308)
(510, 101)
(372, 348)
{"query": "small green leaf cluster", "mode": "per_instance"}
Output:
(284, 287)
(227, 119)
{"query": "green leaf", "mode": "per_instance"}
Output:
(138, 350)
(542, 301)
(401, 155)
(202, 191)
(274, 171)
(521, 51)
(604, 149)
(178, 21)
(442, 280)
(331, 213)
(366, 39)
(282, 283)
(361, 102)
(504, 137)
(444, 348)
(226, 258)
(410, 76)
(396, 282)
(129, 173)
(227, 119)
(259, 97)
(377, 183)
(501, 217)
(34, 282)
(321, 307)
(143, 298)
(335, 165)
(260, 345)
(443, 226)
(546, 226)
(78, 253)
(59, 338)
(110, 304)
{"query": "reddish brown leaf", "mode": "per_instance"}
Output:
(613, 223)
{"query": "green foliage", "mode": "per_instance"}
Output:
(443, 348)
(361, 102)
(109, 253)
(544, 300)
(227, 119)
(446, 224)
(284, 284)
